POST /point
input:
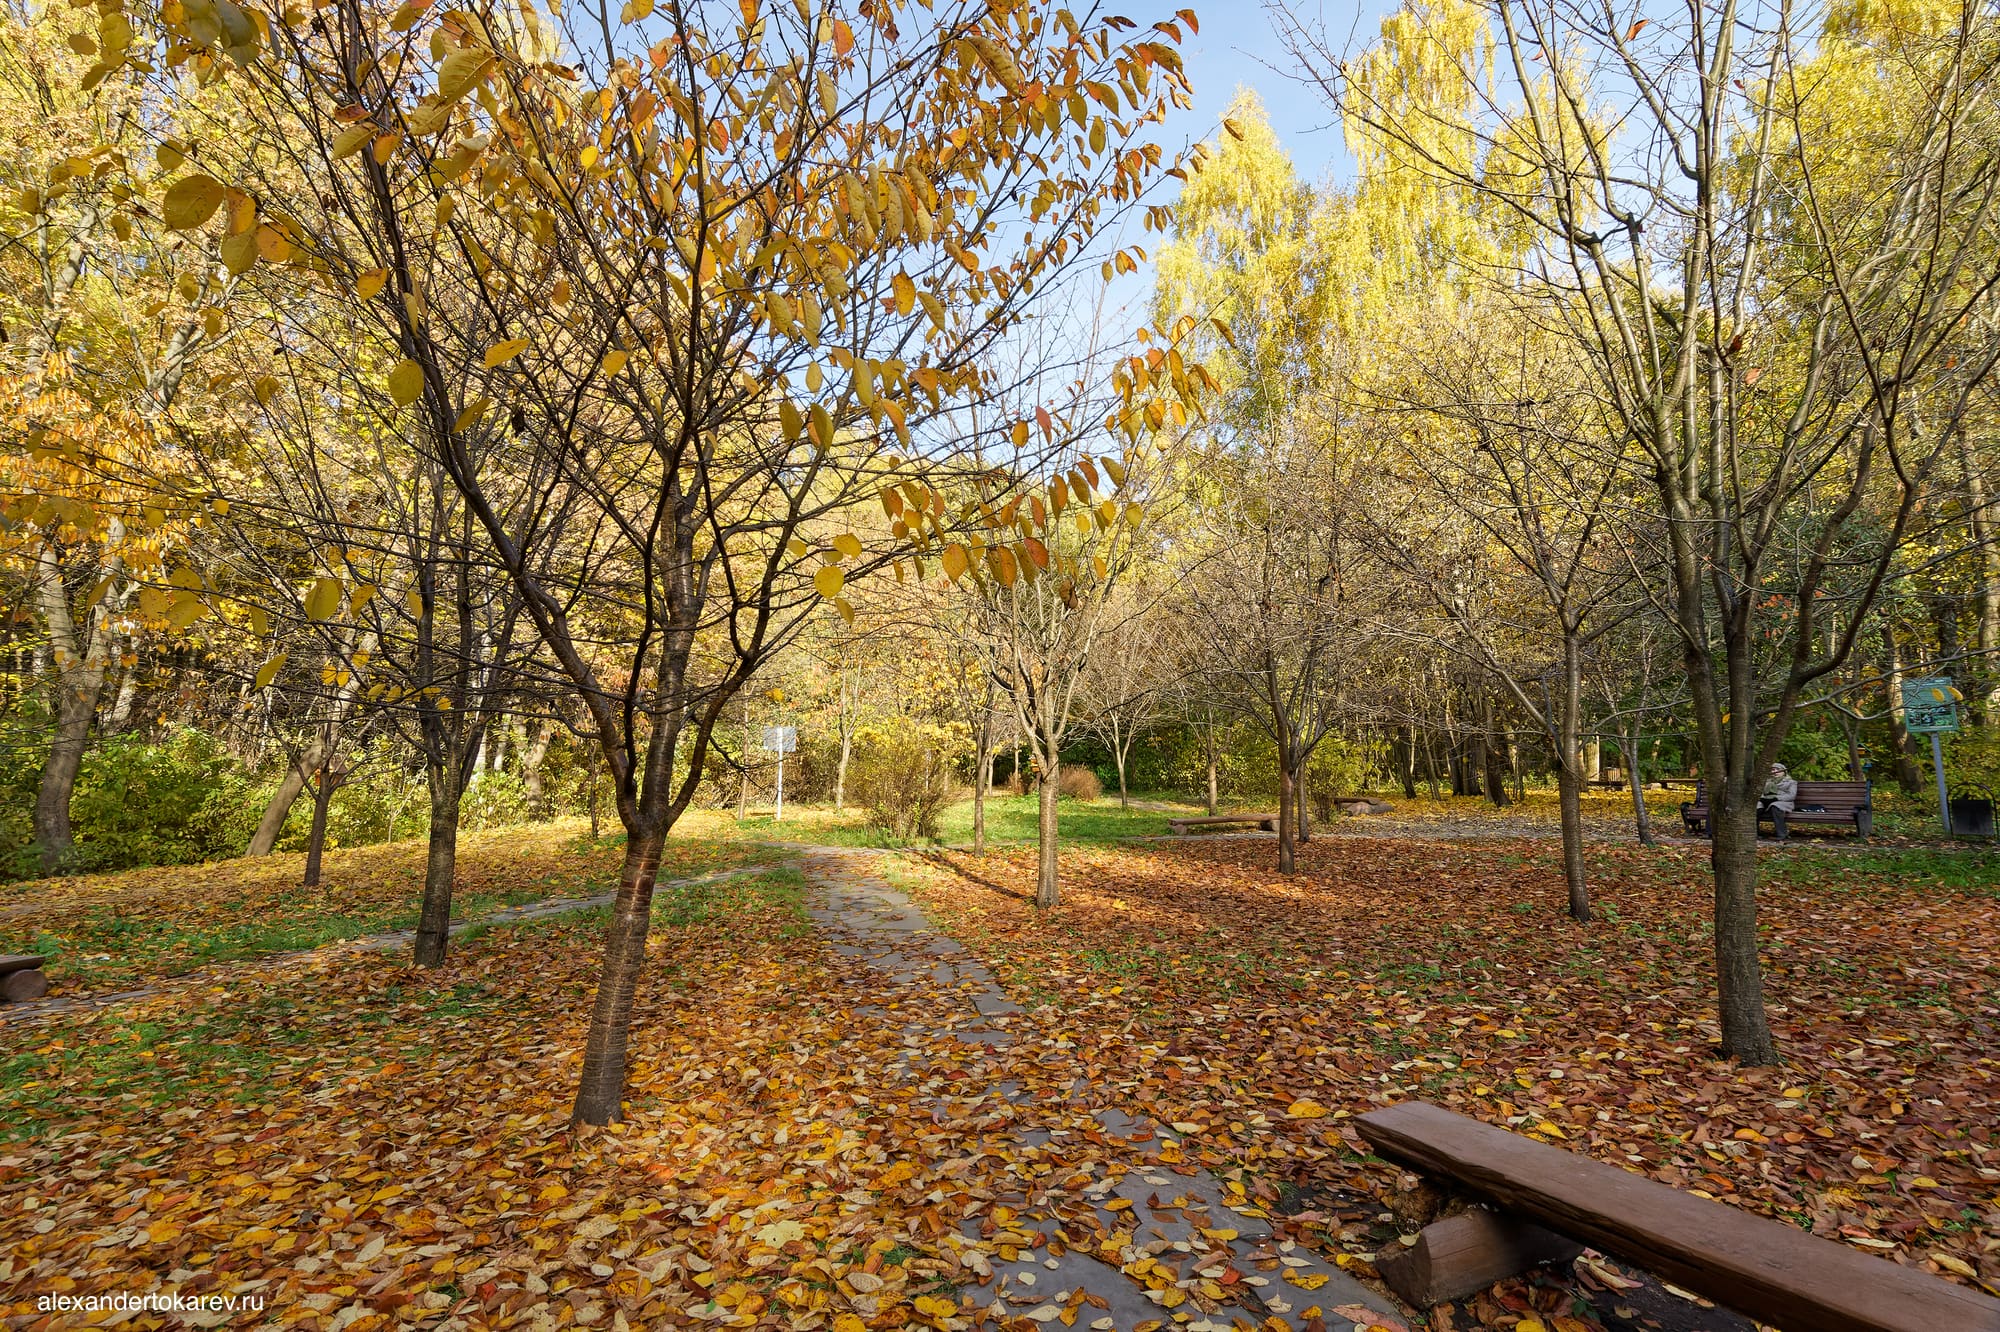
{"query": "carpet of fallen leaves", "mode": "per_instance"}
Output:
(361, 1145)
(1261, 1013)
(141, 926)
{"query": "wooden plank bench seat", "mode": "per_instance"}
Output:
(1763, 1269)
(21, 977)
(1835, 804)
(1267, 822)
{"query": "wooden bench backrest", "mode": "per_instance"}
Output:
(1759, 1267)
(1835, 796)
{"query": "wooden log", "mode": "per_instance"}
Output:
(18, 987)
(1466, 1253)
(1761, 1268)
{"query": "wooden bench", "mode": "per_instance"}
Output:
(1837, 804)
(1267, 822)
(1763, 1269)
(21, 977)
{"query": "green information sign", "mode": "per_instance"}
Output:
(1930, 706)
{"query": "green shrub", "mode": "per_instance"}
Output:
(901, 774)
(493, 800)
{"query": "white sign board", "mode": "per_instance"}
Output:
(781, 739)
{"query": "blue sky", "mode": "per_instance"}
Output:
(1238, 46)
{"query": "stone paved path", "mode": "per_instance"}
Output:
(36, 1009)
(862, 916)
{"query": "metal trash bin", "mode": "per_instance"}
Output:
(1972, 815)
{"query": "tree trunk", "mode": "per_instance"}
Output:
(1496, 758)
(1986, 633)
(1406, 764)
(1642, 817)
(76, 703)
(531, 768)
(1746, 1034)
(1908, 776)
(1304, 815)
(840, 774)
(595, 836)
(273, 823)
(1214, 793)
(601, 1091)
(1045, 835)
(1569, 787)
(1118, 757)
(743, 791)
(78, 663)
(982, 781)
(1570, 778)
(316, 841)
(1287, 834)
(440, 867)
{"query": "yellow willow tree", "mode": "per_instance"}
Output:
(659, 295)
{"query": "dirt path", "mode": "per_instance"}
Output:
(1180, 1234)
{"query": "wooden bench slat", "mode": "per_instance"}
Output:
(1761, 1268)
(10, 962)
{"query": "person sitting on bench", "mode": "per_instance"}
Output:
(1781, 793)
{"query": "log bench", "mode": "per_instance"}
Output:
(1266, 822)
(1835, 804)
(1547, 1202)
(21, 977)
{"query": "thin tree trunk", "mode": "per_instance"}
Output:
(1908, 776)
(265, 839)
(840, 771)
(440, 866)
(1045, 834)
(1287, 833)
(78, 665)
(1746, 1033)
(316, 840)
(1214, 791)
(600, 1092)
(1304, 807)
(1570, 777)
(1642, 817)
(1569, 786)
(982, 780)
(743, 791)
(531, 767)
(1987, 632)
(1496, 759)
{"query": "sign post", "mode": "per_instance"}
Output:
(781, 740)
(1930, 707)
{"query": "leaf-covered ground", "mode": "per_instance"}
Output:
(1218, 993)
(108, 931)
(362, 1145)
